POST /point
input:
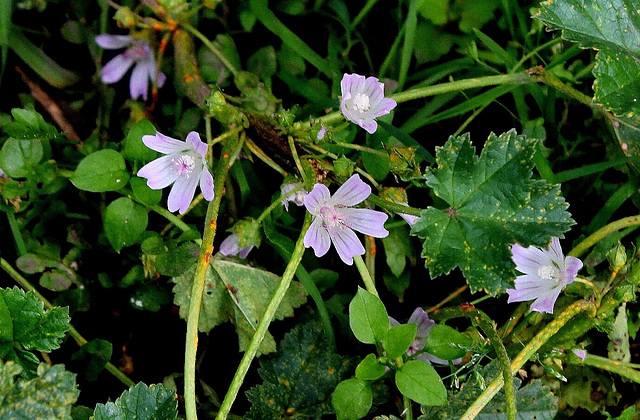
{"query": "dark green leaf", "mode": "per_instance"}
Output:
(263, 63)
(177, 259)
(368, 317)
(101, 171)
(134, 149)
(142, 192)
(492, 204)
(20, 158)
(96, 353)
(352, 399)
(419, 381)
(299, 381)
(49, 395)
(398, 339)
(140, 402)
(124, 222)
(446, 343)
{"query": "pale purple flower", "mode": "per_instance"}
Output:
(409, 218)
(184, 165)
(582, 354)
(425, 324)
(297, 197)
(230, 247)
(545, 274)
(322, 133)
(139, 55)
(334, 219)
(363, 101)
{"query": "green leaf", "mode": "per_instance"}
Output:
(96, 353)
(300, 379)
(101, 171)
(28, 124)
(240, 294)
(134, 149)
(29, 327)
(369, 369)
(263, 63)
(397, 246)
(140, 402)
(142, 192)
(352, 399)
(446, 343)
(20, 158)
(398, 339)
(419, 381)
(491, 204)
(50, 395)
(124, 222)
(368, 317)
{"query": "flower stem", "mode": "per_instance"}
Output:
(526, 353)
(394, 207)
(603, 232)
(211, 47)
(369, 284)
(206, 249)
(277, 203)
(171, 217)
(24, 283)
(263, 326)
(613, 366)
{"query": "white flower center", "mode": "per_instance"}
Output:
(361, 102)
(184, 165)
(548, 273)
(331, 219)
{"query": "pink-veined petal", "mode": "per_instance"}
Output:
(317, 238)
(113, 42)
(529, 260)
(529, 287)
(317, 198)
(347, 244)
(115, 69)
(384, 107)
(206, 184)
(369, 222)
(193, 140)
(139, 82)
(545, 302)
(555, 252)
(244, 252)
(159, 173)
(181, 194)
(353, 191)
(230, 245)
(572, 266)
(370, 126)
(163, 144)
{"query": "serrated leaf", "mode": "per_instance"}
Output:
(104, 170)
(492, 204)
(240, 294)
(419, 381)
(32, 327)
(50, 395)
(300, 380)
(140, 402)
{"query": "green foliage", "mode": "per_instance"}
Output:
(368, 317)
(419, 381)
(240, 294)
(96, 353)
(446, 343)
(370, 369)
(124, 222)
(101, 171)
(26, 327)
(352, 399)
(49, 395)
(492, 203)
(140, 402)
(134, 149)
(398, 339)
(299, 380)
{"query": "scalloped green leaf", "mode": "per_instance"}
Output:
(50, 395)
(492, 203)
(28, 327)
(240, 294)
(140, 402)
(300, 380)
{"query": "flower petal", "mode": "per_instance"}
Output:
(317, 198)
(181, 194)
(353, 191)
(163, 144)
(369, 222)
(555, 252)
(370, 126)
(317, 238)
(139, 82)
(113, 42)
(159, 172)
(230, 245)
(115, 69)
(571, 265)
(545, 302)
(529, 260)
(206, 184)
(193, 140)
(244, 252)
(347, 244)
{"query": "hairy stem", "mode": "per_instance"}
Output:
(601, 233)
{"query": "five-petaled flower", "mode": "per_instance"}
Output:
(139, 53)
(334, 219)
(545, 274)
(363, 101)
(184, 165)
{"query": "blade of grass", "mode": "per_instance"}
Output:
(614, 202)
(407, 47)
(6, 9)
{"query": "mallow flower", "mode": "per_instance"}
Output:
(297, 198)
(184, 166)
(545, 274)
(231, 246)
(137, 54)
(334, 219)
(363, 101)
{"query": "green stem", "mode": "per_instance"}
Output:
(526, 353)
(24, 283)
(362, 14)
(206, 249)
(172, 218)
(263, 326)
(21, 248)
(277, 203)
(601, 233)
(369, 284)
(612, 366)
(394, 207)
(212, 47)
